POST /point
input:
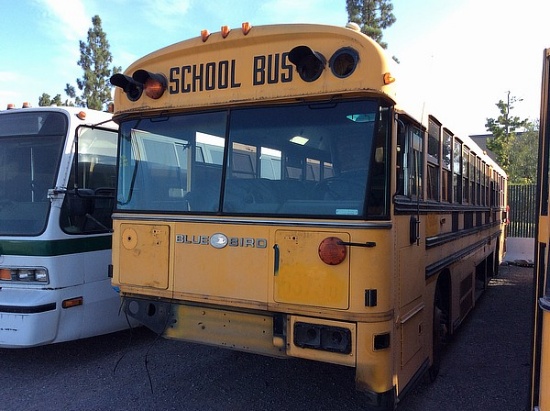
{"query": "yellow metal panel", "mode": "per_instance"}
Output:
(544, 404)
(433, 225)
(543, 227)
(144, 255)
(302, 278)
(412, 274)
(374, 369)
(412, 333)
(237, 272)
(228, 329)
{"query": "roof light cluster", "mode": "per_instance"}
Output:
(225, 30)
(310, 64)
(11, 106)
(142, 81)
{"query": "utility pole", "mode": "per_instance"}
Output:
(507, 113)
(506, 124)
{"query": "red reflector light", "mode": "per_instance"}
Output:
(332, 251)
(81, 115)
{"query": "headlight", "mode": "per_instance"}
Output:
(24, 274)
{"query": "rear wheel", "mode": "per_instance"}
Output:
(496, 262)
(385, 401)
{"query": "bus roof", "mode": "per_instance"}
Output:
(80, 114)
(242, 66)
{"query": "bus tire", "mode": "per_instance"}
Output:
(496, 264)
(384, 401)
(440, 326)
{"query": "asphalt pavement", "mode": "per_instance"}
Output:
(487, 364)
(485, 367)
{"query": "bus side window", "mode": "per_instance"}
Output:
(378, 187)
(410, 159)
(434, 154)
(401, 157)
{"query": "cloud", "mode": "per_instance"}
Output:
(461, 63)
(7, 80)
(164, 14)
(70, 20)
(288, 11)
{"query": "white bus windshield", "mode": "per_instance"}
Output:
(315, 160)
(31, 144)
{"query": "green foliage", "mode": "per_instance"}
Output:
(524, 156)
(45, 100)
(95, 60)
(372, 16)
(516, 152)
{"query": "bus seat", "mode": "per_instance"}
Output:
(254, 195)
(102, 176)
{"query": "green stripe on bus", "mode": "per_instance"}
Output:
(47, 248)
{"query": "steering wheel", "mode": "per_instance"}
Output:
(337, 188)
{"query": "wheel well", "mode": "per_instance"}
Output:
(491, 265)
(442, 298)
(495, 261)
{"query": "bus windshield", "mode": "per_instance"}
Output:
(317, 159)
(31, 144)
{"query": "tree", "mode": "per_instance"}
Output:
(503, 130)
(524, 156)
(46, 100)
(95, 59)
(372, 16)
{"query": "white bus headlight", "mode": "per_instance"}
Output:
(24, 274)
(41, 275)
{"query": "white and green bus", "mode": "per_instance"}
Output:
(55, 226)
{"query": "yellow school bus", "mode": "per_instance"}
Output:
(274, 198)
(540, 369)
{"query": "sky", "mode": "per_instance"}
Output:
(457, 58)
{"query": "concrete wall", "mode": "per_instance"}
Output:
(520, 251)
